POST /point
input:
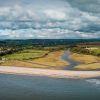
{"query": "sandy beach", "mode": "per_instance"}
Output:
(49, 72)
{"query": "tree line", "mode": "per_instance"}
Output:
(84, 51)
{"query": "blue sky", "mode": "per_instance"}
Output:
(54, 19)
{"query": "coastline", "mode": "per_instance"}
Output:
(49, 72)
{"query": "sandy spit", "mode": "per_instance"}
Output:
(49, 72)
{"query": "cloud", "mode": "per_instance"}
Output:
(54, 14)
(91, 6)
(49, 19)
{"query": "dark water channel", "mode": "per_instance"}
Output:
(72, 63)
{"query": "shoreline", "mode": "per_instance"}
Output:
(49, 72)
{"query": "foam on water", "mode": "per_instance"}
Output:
(94, 81)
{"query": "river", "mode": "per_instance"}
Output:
(72, 63)
(21, 87)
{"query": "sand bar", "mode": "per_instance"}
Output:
(49, 72)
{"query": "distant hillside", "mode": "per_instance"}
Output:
(46, 42)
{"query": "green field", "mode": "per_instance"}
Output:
(25, 55)
(95, 51)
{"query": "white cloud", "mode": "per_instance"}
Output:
(54, 14)
(55, 19)
(16, 12)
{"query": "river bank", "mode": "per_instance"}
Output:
(62, 60)
(49, 60)
(85, 62)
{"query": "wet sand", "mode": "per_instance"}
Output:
(49, 72)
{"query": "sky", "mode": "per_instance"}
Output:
(49, 19)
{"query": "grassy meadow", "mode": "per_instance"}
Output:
(94, 50)
(25, 55)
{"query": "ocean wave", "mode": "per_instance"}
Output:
(94, 81)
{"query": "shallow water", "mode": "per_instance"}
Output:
(19, 87)
(72, 63)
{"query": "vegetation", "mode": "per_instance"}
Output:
(13, 46)
(18, 53)
(88, 48)
(8, 50)
(45, 53)
(95, 51)
(25, 55)
(52, 60)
